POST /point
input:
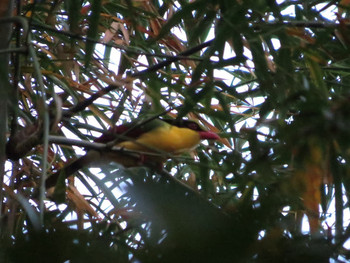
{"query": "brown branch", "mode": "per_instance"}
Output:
(173, 59)
(86, 103)
(309, 24)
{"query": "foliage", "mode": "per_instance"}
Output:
(270, 77)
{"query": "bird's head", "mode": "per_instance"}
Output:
(195, 126)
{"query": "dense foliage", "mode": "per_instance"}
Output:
(271, 77)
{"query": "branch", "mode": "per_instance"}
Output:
(313, 24)
(173, 59)
(86, 103)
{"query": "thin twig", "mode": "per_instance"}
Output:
(309, 24)
(172, 59)
(86, 103)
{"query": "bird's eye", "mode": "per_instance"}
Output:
(193, 126)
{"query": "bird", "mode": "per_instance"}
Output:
(160, 138)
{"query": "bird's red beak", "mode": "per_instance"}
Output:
(208, 135)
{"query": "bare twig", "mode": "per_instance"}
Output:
(173, 59)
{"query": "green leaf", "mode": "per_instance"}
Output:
(92, 34)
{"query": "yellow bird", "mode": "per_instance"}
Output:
(159, 137)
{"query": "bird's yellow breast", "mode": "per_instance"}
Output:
(168, 138)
